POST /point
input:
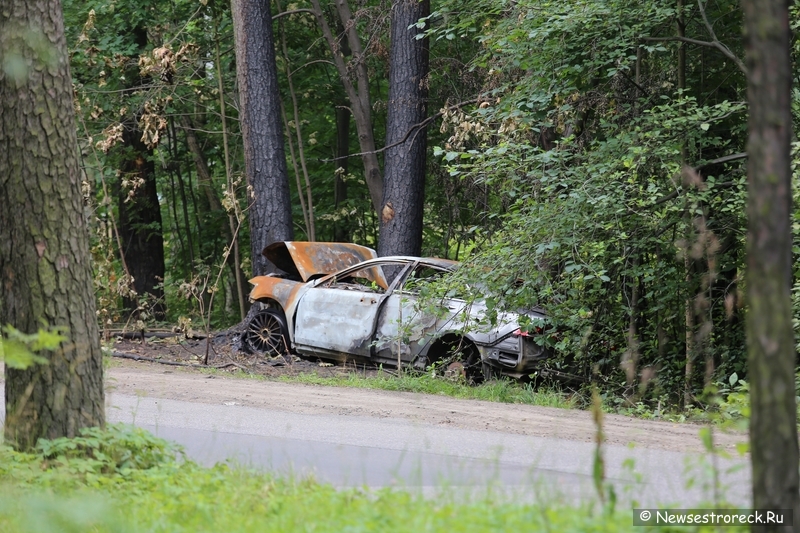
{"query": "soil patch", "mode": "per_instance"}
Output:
(189, 384)
(225, 355)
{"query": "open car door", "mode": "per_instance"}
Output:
(339, 314)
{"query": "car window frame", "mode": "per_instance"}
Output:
(390, 287)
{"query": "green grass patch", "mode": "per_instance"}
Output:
(125, 480)
(493, 391)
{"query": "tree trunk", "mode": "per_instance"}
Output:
(262, 135)
(234, 219)
(770, 339)
(358, 94)
(404, 179)
(341, 227)
(140, 224)
(688, 262)
(44, 247)
(206, 182)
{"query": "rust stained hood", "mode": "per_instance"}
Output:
(308, 259)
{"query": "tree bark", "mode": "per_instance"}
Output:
(770, 339)
(404, 179)
(341, 227)
(140, 223)
(140, 227)
(44, 247)
(270, 214)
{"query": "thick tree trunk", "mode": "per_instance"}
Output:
(770, 338)
(140, 224)
(260, 115)
(44, 248)
(404, 179)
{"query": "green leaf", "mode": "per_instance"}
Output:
(17, 355)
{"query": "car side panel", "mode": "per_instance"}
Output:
(336, 320)
(401, 326)
(283, 291)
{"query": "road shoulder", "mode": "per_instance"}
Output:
(155, 381)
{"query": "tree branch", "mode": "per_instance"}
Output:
(311, 63)
(633, 82)
(413, 129)
(725, 159)
(719, 45)
(714, 43)
(292, 12)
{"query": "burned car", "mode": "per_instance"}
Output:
(340, 302)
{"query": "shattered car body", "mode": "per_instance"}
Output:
(340, 302)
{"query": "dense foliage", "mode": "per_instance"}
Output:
(593, 150)
(618, 152)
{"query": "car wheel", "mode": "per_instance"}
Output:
(267, 333)
(465, 362)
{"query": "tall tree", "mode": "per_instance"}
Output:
(140, 222)
(404, 177)
(44, 245)
(140, 228)
(262, 134)
(770, 338)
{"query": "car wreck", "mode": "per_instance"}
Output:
(340, 302)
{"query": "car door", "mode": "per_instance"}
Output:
(339, 314)
(405, 325)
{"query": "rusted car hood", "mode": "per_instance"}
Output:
(308, 259)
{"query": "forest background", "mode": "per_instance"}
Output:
(584, 156)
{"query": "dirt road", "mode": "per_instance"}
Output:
(157, 381)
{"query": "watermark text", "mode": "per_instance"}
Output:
(714, 517)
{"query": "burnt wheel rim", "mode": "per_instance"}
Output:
(465, 363)
(265, 334)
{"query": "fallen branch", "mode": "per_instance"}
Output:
(134, 357)
(133, 335)
(152, 360)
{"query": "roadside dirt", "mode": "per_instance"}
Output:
(224, 355)
(188, 384)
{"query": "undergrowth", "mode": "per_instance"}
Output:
(98, 482)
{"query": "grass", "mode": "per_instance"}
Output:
(502, 391)
(125, 480)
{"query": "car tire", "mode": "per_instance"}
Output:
(267, 333)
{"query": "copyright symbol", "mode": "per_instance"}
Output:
(645, 516)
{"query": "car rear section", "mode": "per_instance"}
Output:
(517, 354)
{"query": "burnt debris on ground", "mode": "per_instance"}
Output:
(225, 353)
